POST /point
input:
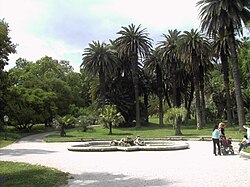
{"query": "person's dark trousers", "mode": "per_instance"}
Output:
(216, 142)
(243, 146)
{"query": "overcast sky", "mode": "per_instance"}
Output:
(62, 29)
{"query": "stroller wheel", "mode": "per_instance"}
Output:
(232, 152)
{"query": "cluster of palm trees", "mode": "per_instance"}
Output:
(176, 69)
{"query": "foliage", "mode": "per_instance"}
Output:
(64, 122)
(173, 114)
(40, 91)
(132, 44)
(85, 122)
(226, 19)
(128, 74)
(100, 59)
(6, 48)
(110, 117)
(6, 45)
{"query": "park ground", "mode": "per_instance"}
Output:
(196, 166)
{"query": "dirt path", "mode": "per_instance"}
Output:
(196, 166)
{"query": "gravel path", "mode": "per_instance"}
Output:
(194, 167)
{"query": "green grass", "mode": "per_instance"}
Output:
(27, 175)
(247, 149)
(12, 134)
(151, 131)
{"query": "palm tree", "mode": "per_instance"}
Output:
(226, 17)
(193, 45)
(221, 48)
(153, 66)
(134, 44)
(99, 59)
(170, 56)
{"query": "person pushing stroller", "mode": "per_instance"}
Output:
(225, 144)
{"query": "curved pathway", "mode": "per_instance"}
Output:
(194, 167)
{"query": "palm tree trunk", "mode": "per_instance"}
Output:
(227, 87)
(110, 128)
(237, 81)
(102, 86)
(203, 103)
(159, 82)
(178, 127)
(146, 105)
(195, 68)
(134, 69)
(189, 102)
(167, 98)
(174, 86)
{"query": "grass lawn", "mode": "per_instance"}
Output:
(13, 134)
(247, 149)
(151, 131)
(27, 175)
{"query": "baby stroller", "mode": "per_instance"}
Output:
(226, 146)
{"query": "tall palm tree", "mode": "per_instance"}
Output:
(170, 56)
(173, 67)
(153, 66)
(224, 16)
(221, 48)
(99, 59)
(134, 44)
(193, 46)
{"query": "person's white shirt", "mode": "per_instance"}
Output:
(248, 131)
(244, 141)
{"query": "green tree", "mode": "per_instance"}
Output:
(41, 89)
(99, 59)
(153, 65)
(221, 49)
(6, 48)
(133, 43)
(172, 61)
(111, 117)
(177, 116)
(227, 17)
(6, 45)
(193, 47)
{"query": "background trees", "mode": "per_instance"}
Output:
(225, 18)
(194, 48)
(100, 60)
(133, 44)
(129, 74)
(6, 48)
(40, 91)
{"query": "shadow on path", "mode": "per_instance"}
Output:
(102, 179)
(21, 152)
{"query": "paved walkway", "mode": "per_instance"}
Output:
(196, 167)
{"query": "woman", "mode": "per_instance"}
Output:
(222, 129)
(215, 138)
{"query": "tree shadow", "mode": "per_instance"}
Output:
(20, 152)
(102, 179)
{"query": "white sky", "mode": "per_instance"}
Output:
(62, 29)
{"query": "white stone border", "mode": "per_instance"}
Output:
(91, 146)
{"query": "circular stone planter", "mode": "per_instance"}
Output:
(102, 146)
